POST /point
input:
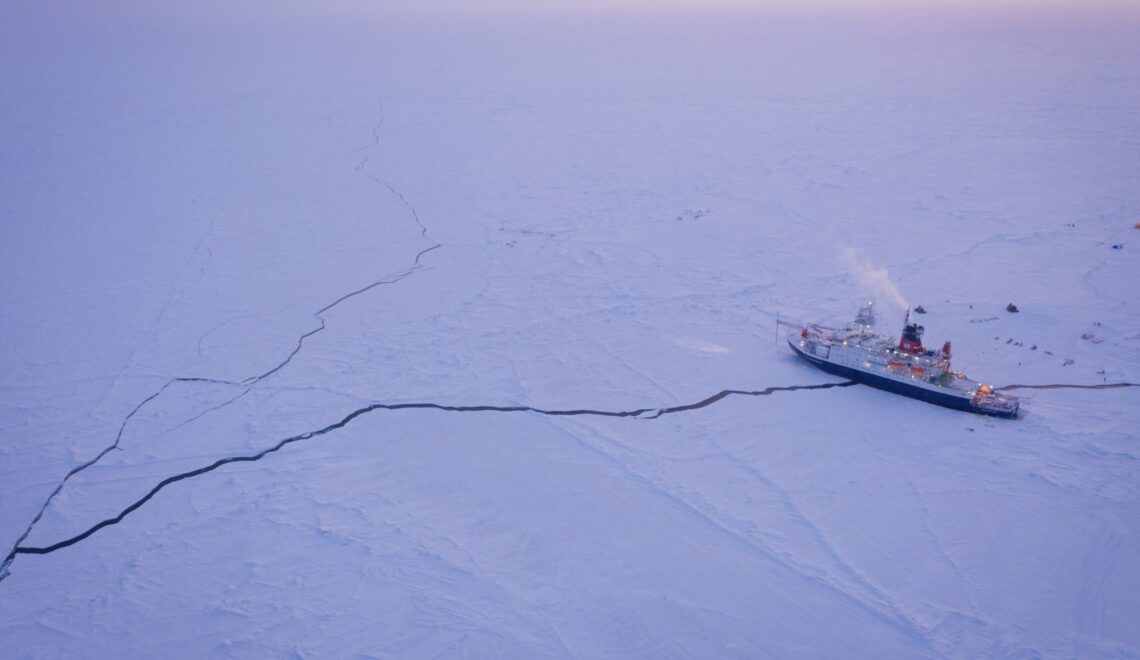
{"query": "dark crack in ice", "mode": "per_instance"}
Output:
(635, 413)
(252, 380)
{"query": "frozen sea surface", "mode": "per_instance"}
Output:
(453, 285)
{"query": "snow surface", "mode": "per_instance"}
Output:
(218, 237)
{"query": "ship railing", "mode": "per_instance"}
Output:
(815, 344)
(996, 402)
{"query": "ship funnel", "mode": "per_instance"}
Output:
(911, 340)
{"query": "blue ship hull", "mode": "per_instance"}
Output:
(890, 385)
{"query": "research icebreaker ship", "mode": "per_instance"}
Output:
(857, 352)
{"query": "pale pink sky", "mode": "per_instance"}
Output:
(380, 7)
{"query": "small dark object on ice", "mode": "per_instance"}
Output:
(1011, 308)
(919, 310)
(1118, 246)
(1066, 363)
(1033, 347)
(1009, 340)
